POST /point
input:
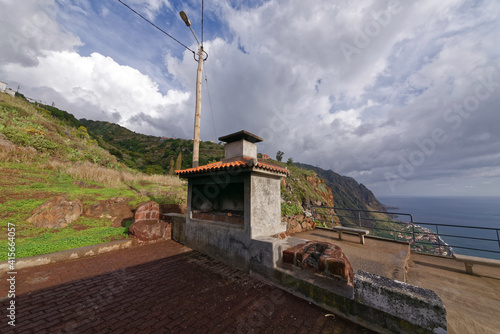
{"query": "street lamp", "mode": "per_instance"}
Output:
(196, 141)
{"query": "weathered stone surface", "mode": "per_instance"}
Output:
(147, 211)
(147, 225)
(298, 223)
(421, 307)
(321, 257)
(115, 209)
(150, 230)
(56, 213)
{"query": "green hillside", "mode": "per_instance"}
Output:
(150, 154)
(45, 152)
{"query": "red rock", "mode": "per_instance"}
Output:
(56, 213)
(151, 230)
(147, 225)
(321, 257)
(115, 209)
(147, 211)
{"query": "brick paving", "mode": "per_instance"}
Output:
(174, 291)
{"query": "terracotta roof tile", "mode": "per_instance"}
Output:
(241, 163)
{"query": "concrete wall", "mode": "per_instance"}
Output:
(224, 242)
(178, 221)
(376, 302)
(3, 86)
(265, 212)
(240, 148)
(420, 307)
(229, 243)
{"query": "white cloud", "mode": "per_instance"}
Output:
(107, 87)
(28, 29)
(280, 70)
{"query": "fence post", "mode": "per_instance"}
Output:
(498, 238)
(439, 241)
(332, 217)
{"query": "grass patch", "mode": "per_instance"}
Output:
(65, 238)
(23, 187)
(290, 209)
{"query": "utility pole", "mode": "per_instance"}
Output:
(197, 116)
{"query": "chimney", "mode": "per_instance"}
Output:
(240, 145)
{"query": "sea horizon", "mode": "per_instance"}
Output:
(474, 211)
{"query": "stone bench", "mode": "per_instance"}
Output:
(469, 261)
(350, 230)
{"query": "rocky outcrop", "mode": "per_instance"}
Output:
(298, 223)
(115, 209)
(305, 189)
(56, 213)
(320, 257)
(147, 225)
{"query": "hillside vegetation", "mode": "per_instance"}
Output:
(150, 154)
(43, 155)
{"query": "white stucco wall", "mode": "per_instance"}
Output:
(266, 205)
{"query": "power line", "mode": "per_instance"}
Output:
(202, 5)
(210, 102)
(154, 25)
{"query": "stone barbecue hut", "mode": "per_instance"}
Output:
(233, 201)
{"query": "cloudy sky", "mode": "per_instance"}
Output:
(403, 95)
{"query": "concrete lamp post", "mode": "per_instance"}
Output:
(196, 139)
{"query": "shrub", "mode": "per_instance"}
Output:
(290, 209)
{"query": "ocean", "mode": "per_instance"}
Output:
(462, 211)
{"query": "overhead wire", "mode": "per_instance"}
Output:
(211, 109)
(154, 25)
(202, 5)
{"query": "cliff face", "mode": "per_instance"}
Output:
(299, 192)
(347, 192)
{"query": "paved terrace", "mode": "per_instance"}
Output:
(168, 288)
(163, 288)
(472, 301)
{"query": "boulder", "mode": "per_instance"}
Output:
(115, 209)
(150, 230)
(321, 257)
(147, 211)
(147, 225)
(56, 213)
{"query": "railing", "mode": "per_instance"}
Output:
(422, 237)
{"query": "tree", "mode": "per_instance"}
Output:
(178, 162)
(290, 161)
(279, 156)
(171, 170)
(154, 169)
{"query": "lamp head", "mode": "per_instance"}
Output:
(185, 18)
